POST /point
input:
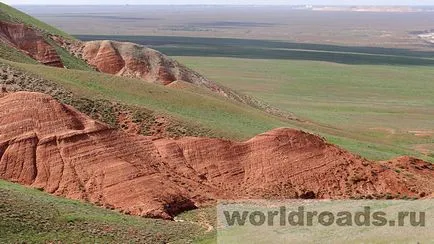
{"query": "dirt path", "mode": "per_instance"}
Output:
(203, 222)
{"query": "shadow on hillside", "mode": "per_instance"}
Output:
(263, 49)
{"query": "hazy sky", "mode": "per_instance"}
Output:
(274, 2)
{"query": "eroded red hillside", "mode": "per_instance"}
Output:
(51, 146)
(137, 61)
(29, 41)
(132, 60)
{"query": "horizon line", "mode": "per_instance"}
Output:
(218, 4)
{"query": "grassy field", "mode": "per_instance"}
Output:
(15, 55)
(373, 101)
(284, 23)
(226, 118)
(233, 120)
(382, 104)
(282, 50)
(376, 102)
(31, 216)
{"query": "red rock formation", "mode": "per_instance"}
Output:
(51, 146)
(135, 61)
(30, 42)
(106, 58)
(289, 163)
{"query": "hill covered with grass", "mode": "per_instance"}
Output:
(10, 15)
(328, 98)
(37, 217)
(360, 107)
(194, 108)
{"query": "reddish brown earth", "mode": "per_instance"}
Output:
(122, 59)
(136, 61)
(53, 147)
(29, 41)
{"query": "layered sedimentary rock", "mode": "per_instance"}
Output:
(137, 61)
(53, 147)
(29, 41)
(288, 163)
(132, 60)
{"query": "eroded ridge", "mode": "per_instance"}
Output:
(51, 146)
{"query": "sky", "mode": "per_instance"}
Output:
(249, 2)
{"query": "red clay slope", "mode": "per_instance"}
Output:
(136, 61)
(51, 146)
(29, 41)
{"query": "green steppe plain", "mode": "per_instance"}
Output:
(379, 111)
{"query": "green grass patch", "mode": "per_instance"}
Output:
(12, 54)
(373, 110)
(31, 216)
(8, 13)
(226, 118)
(68, 60)
(268, 49)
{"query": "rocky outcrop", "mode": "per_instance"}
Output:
(53, 147)
(137, 61)
(288, 163)
(118, 58)
(132, 60)
(29, 41)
